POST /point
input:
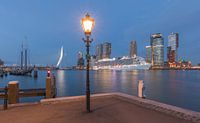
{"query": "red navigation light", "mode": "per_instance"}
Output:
(48, 73)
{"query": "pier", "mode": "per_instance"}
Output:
(12, 93)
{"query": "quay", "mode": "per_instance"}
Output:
(12, 93)
(106, 108)
(167, 68)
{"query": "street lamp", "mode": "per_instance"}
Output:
(87, 24)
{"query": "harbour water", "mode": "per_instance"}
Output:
(179, 88)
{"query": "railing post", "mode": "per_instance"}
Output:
(48, 87)
(35, 72)
(5, 106)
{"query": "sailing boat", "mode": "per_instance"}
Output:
(24, 69)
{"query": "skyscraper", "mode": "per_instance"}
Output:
(133, 49)
(148, 54)
(106, 50)
(172, 49)
(80, 62)
(99, 51)
(103, 51)
(157, 49)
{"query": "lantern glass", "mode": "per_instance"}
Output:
(87, 24)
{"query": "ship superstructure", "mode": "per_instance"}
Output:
(123, 63)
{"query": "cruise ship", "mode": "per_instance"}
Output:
(123, 63)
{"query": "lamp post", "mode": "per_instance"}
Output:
(87, 24)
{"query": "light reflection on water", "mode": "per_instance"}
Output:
(180, 88)
(61, 82)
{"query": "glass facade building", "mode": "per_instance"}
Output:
(172, 49)
(80, 61)
(103, 51)
(106, 50)
(157, 49)
(158, 57)
(148, 54)
(133, 49)
(99, 51)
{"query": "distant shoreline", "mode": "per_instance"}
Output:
(73, 68)
(174, 69)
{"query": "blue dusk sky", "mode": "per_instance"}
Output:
(50, 24)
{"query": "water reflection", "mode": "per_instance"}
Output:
(103, 80)
(60, 82)
(179, 88)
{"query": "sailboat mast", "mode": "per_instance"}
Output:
(26, 60)
(22, 57)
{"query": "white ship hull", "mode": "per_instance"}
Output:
(124, 67)
(125, 63)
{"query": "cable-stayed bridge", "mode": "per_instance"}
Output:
(60, 57)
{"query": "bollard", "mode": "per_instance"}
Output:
(13, 92)
(48, 87)
(141, 89)
(5, 106)
(35, 73)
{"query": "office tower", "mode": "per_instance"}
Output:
(171, 55)
(80, 62)
(172, 49)
(99, 51)
(157, 48)
(148, 54)
(106, 50)
(133, 49)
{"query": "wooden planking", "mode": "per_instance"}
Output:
(27, 92)
(32, 92)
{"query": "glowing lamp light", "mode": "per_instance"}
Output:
(87, 24)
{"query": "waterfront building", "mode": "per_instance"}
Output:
(183, 64)
(171, 55)
(1, 62)
(80, 62)
(131, 62)
(148, 54)
(172, 49)
(133, 49)
(99, 51)
(157, 49)
(103, 51)
(106, 50)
